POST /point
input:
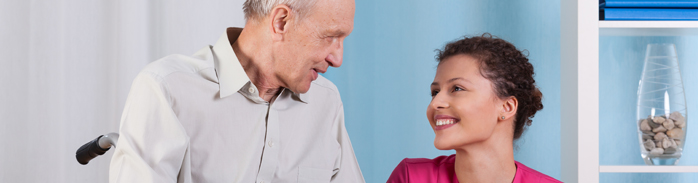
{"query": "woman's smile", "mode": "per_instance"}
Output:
(444, 122)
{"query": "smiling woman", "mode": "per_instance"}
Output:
(483, 97)
(506, 68)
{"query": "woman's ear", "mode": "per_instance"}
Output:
(509, 107)
(280, 17)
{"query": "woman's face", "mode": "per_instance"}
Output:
(464, 108)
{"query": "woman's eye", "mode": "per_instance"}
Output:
(457, 89)
(434, 92)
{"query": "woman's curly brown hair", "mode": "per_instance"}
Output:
(507, 68)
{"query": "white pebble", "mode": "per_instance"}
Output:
(659, 119)
(680, 123)
(659, 129)
(644, 126)
(649, 145)
(659, 136)
(670, 150)
(667, 143)
(676, 116)
(657, 151)
(668, 124)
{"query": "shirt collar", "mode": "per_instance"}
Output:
(231, 76)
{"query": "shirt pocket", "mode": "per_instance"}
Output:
(313, 175)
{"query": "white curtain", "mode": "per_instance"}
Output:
(67, 66)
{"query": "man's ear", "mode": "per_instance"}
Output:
(280, 17)
(509, 107)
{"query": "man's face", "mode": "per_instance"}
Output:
(313, 44)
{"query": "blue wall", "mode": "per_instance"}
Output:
(389, 64)
(620, 68)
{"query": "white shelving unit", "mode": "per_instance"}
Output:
(648, 24)
(648, 169)
(580, 30)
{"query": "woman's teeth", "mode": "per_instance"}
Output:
(441, 122)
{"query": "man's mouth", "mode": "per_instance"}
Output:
(315, 74)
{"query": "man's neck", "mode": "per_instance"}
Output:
(491, 161)
(253, 59)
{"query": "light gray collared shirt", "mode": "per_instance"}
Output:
(200, 119)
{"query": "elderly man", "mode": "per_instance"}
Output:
(251, 108)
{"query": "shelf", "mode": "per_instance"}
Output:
(648, 28)
(648, 169)
(648, 32)
(648, 24)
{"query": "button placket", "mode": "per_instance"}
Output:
(270, 155)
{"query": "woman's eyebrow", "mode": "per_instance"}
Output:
(458, 78)
(452, 80)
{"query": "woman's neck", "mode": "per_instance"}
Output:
(489, 161)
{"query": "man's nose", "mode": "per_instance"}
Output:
(336, 53)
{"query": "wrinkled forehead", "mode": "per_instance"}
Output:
(334, 15)
(336, 6)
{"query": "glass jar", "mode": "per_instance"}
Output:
(661, 107)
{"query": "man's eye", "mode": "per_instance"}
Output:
(434, 92)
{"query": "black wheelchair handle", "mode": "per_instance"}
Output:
(90, 151)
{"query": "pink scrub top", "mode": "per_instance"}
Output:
(441, 170)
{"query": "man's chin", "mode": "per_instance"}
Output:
(302, 89)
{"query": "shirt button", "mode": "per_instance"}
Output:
(270, 143)
(251, 90)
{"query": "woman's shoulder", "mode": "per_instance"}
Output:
(526, 174)
(423, 169)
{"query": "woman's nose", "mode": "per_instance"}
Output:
(439, 102)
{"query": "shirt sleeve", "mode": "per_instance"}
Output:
(346, 167)
(152, 143)
(400, 174)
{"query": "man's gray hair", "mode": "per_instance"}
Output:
(257, 9)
